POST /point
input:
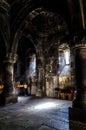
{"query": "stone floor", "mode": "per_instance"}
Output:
(31, 113)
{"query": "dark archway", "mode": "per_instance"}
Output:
(24, 51)
(2, 56)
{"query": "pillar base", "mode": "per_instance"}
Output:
(39, 93)
(77, 116)
(4, 100)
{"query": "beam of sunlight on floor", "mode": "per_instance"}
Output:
(47, 105)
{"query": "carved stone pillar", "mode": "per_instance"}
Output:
(80, 75)
(8, 96)
(78, 112)
(52, 77)
(40, 76)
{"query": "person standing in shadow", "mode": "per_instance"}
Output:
(29, 85)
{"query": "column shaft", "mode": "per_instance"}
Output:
(40, 76)
(77, 112)
(8, 96)
(80, 75)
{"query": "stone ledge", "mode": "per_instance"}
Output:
(4, 100)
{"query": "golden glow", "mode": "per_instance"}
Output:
(67, 57)
(1, 87)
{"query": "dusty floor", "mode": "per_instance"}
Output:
(31, 113)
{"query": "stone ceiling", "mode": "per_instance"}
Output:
(45, 22)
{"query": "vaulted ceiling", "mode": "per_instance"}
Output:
(43, 23)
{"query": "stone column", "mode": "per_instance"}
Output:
(78, 110)
(52, 77)
(40, 76)
(80, 76)
(8, 96)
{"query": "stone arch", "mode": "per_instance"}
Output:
(4, 24)
(27, 22)
(29, 29)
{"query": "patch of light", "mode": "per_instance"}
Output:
(67, 57)
(32, 67)
(47, 105)
(21, 98)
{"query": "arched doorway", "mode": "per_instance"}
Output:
(25, 66)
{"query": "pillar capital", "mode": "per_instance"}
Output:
(80, 50)
(11, 57)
